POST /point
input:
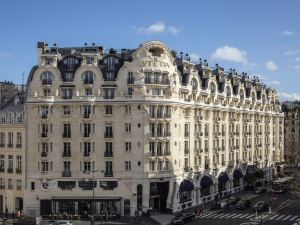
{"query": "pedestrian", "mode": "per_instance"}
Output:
(136, 214)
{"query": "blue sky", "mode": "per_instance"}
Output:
(258, 37)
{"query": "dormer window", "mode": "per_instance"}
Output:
(69, 63)
(88, 77)
(156, 51)
(47, 78)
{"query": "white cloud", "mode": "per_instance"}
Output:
(271, 66)
(288, 33)
(174, 30)
(194, 57)
(292, 52)
(289, 96)
(157, 28)
(4, 55)
(229, 53)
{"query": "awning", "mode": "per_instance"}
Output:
(237, 174)
(223, 177)
(206, 181)
(186, 185)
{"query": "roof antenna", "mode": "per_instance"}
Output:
(23, 81)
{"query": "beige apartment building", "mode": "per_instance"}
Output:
(292, 131)
(12, 154)
(142, 129)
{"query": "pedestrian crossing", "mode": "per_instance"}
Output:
(277, 217)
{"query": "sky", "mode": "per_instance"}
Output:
(259, 37)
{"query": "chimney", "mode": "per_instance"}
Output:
(41, 48)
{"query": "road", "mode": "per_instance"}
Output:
(285, 210)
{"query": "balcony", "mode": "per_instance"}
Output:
(10, 145)
(66, 135)
(86, 115)
(44, 135)
(44, 154)
(87, 134)
(108, 174)
(66, 96)
(10, 170)
(19, 188)
(66, 173)
(18, 170)
(46, 82)
(108, 154)
(108, 135)
(18, 145)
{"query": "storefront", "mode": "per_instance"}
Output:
(223, 178)
(205, 184)
(83, 207)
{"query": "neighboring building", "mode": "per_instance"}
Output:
(12, 154)
(7, 91)
(292, 131)
(144, 129)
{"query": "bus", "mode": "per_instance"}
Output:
(281, 185)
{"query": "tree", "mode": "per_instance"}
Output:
(174, 53)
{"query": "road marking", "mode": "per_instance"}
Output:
(223, 215)
(211, 215)
(278, 218)
(237, 215)
(244, 215)
(265, 216)
(273, 217)
(206, 215)
(218, 215)
(293, 218)
(249, 216)
(287, 217)
(230, 215)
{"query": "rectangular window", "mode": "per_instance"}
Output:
(108, 149)
(89, 60)
(87, 109)
(108, 169)
(10, 164)
(19, 185)
(127, 146)
(46, 92)
(19, 140)
(10, 140)
(159, 165)
(19, 164)
(88, 92)
(10, 184)
(67, 93)
(127, 109)
(86, 166)
(67, 110)
(167, 165)
(45, 111)
(32, 186)
(2, 139)
(130, 78)
(67, 149)
(87, 128)
(127, 165)
(108, 131)
(2, 163)
(152, 148)
(108, 110)
(109, 93)
(130, 91)
(152, 166)
(127, 127)
(86, 149)
(45, 166)
(67, 130)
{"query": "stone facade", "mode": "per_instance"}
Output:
(12, 155)
(152, 131)
(292, 131)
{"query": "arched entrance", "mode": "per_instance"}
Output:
(237, 176)
(185, 190)
(222, 178)
(205, 184)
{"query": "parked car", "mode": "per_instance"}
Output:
(297, 223)
(260, 189)
(260, 206)
(63, 222)
(243, 204)
(234, 200)
(181, 218)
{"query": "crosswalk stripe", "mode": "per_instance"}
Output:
(230, 215)
(244, 215)
(285, 218)
(223, 215)
(278, 218)
(238, 215)
(273, 217)
(265, 216)
(218, 215)
(206, 215)
(211, 215)
(248, 216)
(293, 218)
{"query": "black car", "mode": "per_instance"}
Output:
(181, 218)
(234, 200)
(243, 204)
(260, 206)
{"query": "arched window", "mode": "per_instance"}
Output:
(194, 84)
(228, 91)
(213, 88)
(88, 77)
(47, 78)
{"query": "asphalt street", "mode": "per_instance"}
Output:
(285, 211)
